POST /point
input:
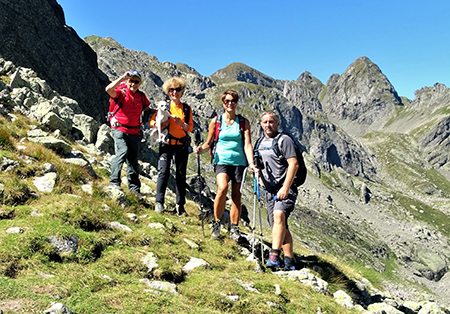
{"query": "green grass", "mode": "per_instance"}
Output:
(78, 277)
(425, 213)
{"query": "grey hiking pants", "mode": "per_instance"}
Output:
(126, 149)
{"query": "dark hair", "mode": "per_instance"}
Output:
(232, 93)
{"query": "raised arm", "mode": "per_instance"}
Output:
(111, 88)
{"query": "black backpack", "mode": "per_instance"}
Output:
(300, 176)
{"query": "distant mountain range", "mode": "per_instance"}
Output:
(378, 190)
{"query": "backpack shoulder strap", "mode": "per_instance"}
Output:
(187, 112)
(218, 127)
(258, 142)
(242, 126)
(276, 147)
(115, 104)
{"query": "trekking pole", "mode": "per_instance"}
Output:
(198, 139)
(260, 222)
(243, 180)
(254, 214)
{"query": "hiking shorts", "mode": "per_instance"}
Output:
(286, 206)
(235, 173)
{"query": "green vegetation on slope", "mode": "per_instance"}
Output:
(34, 272)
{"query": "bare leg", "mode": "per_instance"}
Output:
(221, 196)
(288, 244)
(235, 213)
(278, 230)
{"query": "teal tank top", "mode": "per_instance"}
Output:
(230, 147)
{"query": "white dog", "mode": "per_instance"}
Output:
(161, 116)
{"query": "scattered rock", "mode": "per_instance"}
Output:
(119, 226)
(150, 260)
(15, 230)
(191, 244)
(162, 286)
(46, 183)
(194, 263)
(64, 245)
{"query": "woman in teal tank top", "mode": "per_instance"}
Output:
(230, 145)
(233, 153)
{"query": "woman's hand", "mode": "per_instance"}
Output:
(178, 121)
(254, 169)
(198, 149)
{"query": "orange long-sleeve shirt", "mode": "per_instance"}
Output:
(174, 129)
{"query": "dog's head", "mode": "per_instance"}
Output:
(162, 105)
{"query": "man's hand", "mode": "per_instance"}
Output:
(283, 193)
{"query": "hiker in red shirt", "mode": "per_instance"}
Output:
(125, 127)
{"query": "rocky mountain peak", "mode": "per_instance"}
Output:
(310, 82)
(362, 95)
(243, 73)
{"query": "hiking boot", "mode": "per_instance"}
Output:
(215, 230)
(274, 261)
(115, 187)
(138, 195)
(159, 208)
(181, 211)
(289, 263)
(235, 233)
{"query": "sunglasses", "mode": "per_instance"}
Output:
(135, 81)
(178, 89)
(227, 101)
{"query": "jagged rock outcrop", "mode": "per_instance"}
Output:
(311, 83)
(34, 35)
(303, 96)
(433, 102)
(333, 147)
(361, 98)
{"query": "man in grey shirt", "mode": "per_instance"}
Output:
(277, 175)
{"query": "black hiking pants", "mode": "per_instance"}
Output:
(166, 154)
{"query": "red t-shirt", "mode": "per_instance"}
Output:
(132, 106)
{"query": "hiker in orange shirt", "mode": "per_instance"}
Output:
(176, 145)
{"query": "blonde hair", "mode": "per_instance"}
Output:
(174, 82)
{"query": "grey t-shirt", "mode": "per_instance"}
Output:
(275, 169)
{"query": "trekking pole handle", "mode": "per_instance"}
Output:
(257, 186)
(197, 137)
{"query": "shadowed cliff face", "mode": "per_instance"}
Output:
(34, 35)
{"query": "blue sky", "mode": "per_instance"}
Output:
(408, 40)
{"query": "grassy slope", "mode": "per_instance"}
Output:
(78, 278)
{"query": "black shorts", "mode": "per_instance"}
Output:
(235, 173)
